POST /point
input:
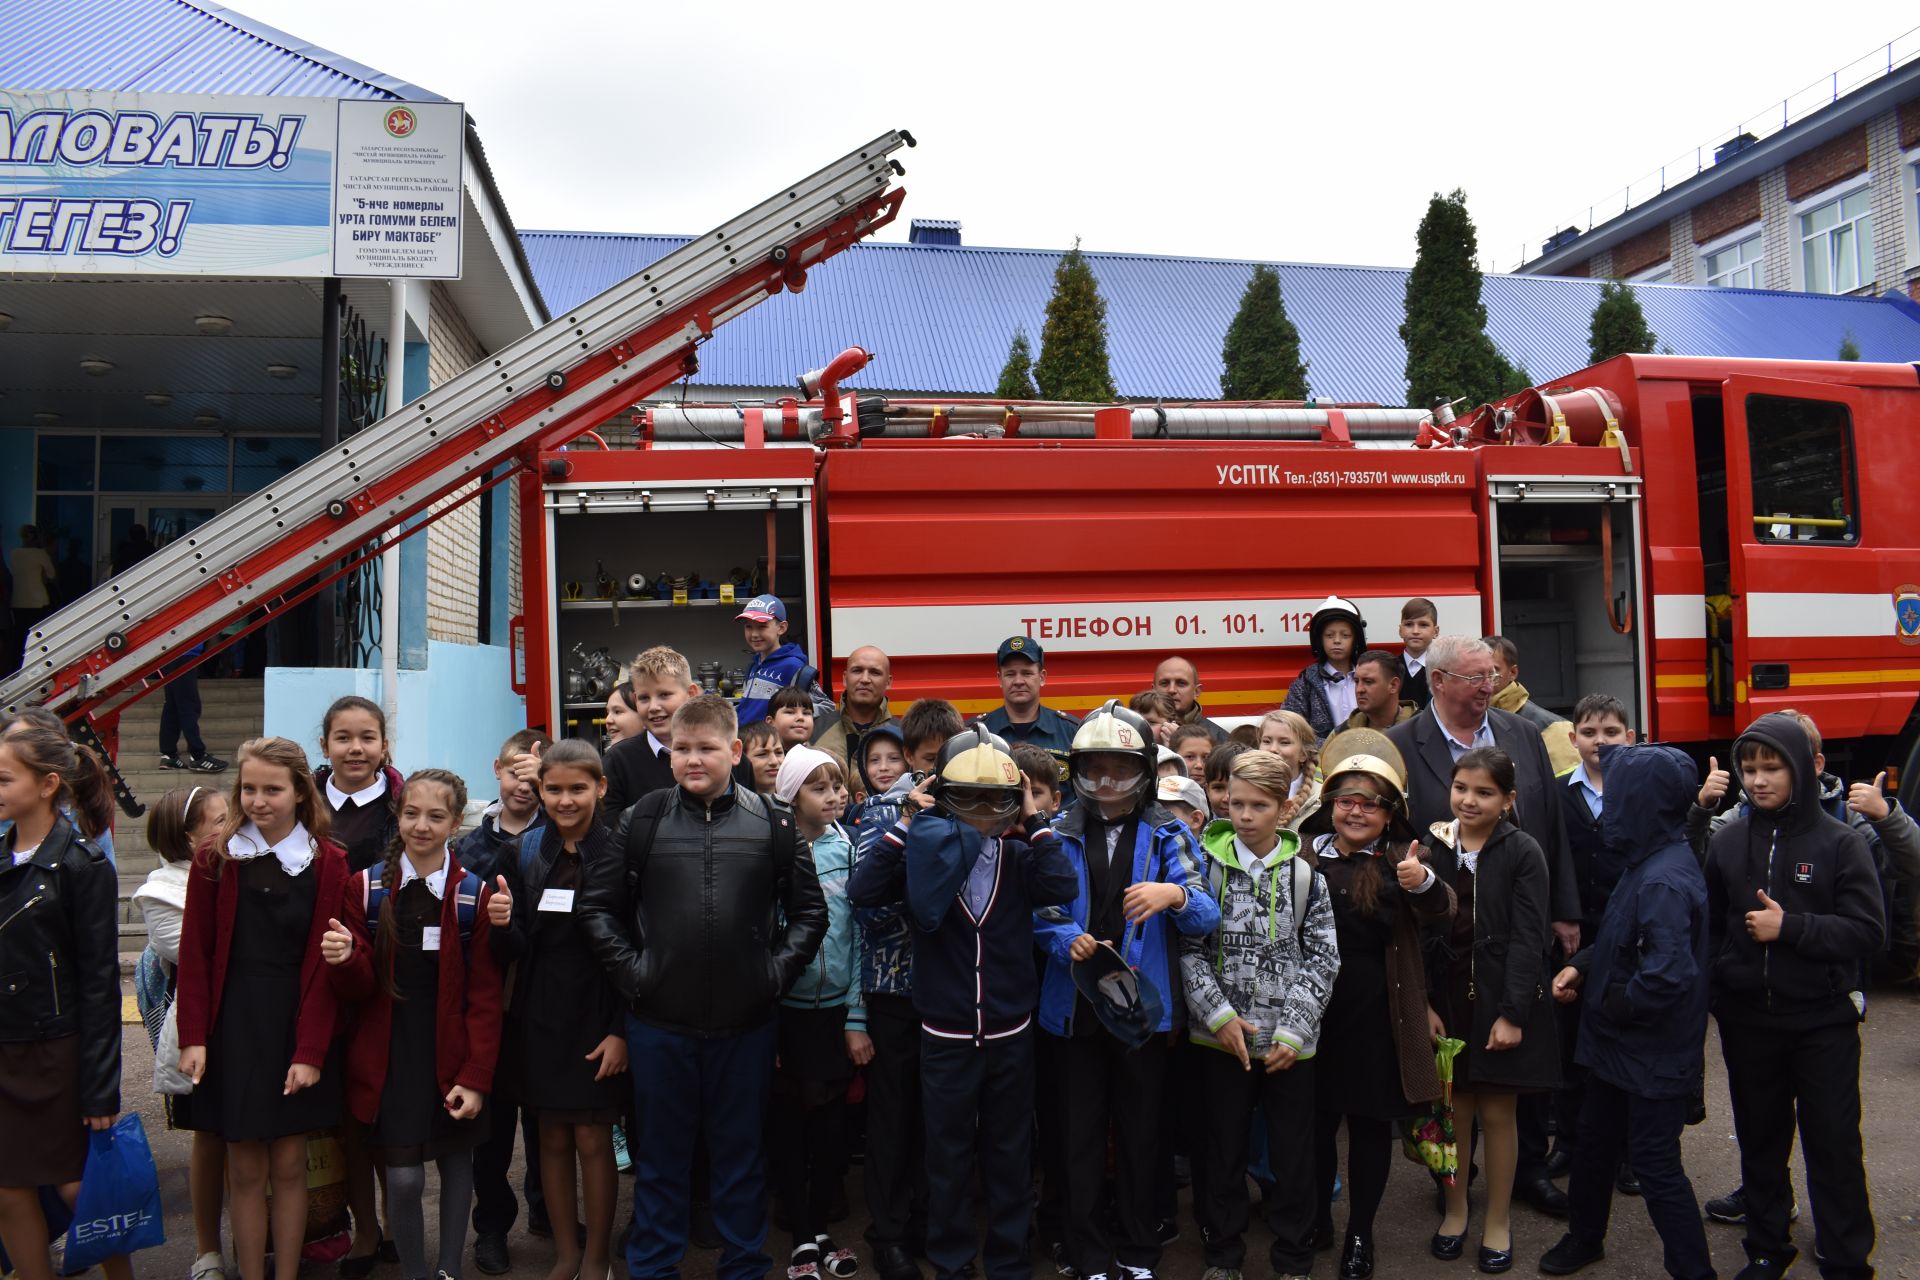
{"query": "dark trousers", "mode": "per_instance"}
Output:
(1773, 1073)
(1646, 1132)
(1369, 1159)
(1050, 1148)
(895, 1173)
(1107, 1088)
(1531, 1111)
(808, 1136)
(978, 1100)
(494, 1208)
(180, 712)
(1286, 1103)
(1570, 1098)
(686, 1086)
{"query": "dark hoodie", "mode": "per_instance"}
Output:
(1644, 977)
(1820, 872)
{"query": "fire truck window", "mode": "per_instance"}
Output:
(1803, 485)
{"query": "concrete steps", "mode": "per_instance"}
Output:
(232, 711)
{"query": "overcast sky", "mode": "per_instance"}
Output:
(1199, 128)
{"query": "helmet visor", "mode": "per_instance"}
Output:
(989, 809)
(1109, 777)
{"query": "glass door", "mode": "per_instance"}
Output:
(158, 521)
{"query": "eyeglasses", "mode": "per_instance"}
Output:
(1353, 802)
(1478, 682)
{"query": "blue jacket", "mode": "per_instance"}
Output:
(1307, 695)
(1646, 978)
(831, 977)
(769, 674)
(1163, 849)
(886, 944)
(973, 976)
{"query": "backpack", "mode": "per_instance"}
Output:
(466, 902)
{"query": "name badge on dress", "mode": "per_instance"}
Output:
(430, 937)
(557, 900)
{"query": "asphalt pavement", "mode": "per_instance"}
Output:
(1890, 1080)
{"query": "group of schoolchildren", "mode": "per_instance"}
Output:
(1231, 950)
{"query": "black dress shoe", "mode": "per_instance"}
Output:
(1494, 1261)
(1544, 1196)
(1559, 1162)
(1356, 1260)
(490, 1253)
(1626, 1183)
(1448, 1248)
(894, 1263)
(1571, 1254)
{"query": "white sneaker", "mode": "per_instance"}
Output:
(208, 1266)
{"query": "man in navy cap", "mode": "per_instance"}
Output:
(1020, 717)
(777, 664)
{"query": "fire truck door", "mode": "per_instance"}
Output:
(1567, 585)
(1806, 620)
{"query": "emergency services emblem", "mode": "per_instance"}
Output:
(1017, 643)
(1803, 873)
(1906, 613)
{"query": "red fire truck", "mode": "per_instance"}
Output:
(1708, 540)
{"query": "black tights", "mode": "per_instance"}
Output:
(1369, 1156)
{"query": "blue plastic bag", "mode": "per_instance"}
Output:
(118, 1209)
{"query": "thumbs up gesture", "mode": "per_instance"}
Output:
(1869, 799)
(1764, 924)
(1714, 789)
(1411, 871)
(336, 944)
(499, 904)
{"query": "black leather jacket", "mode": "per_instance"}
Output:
(60, 956)
(703, 927)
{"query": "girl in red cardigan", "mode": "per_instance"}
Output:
(421, 1062)
(256, 1008)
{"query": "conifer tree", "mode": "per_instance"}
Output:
(1262, 351)
(1619, 326)
(1016, 378)
(1449, 354)
(1849, 349)
(1073, 343)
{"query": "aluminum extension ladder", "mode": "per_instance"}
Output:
(535, 394)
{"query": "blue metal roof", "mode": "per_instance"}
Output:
(174, 46)
(939, 317)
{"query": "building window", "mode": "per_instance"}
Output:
(1662, 274)
(1802, 456)
(1836, 244)
(1738, 266)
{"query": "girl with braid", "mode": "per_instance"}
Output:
(414, 952)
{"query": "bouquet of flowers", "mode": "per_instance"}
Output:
(1428, 1140)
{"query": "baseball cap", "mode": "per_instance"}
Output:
(762, 609)
(796, 768)
(1184, 791)
(1020, 647)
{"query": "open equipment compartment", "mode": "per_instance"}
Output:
(1567, 585)
(603, 533)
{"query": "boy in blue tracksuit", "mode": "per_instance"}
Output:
(972, 862)
(1643, 983)
(1137, 882)
(777, 663)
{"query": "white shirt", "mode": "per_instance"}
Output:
(364, 796)
(32, 571)
(294, 850)
(658, 747)
(1339, 693)
(1413, 664)
(436, 883)
(23, 856)
(1113, 843)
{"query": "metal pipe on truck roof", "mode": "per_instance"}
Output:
(720, 423)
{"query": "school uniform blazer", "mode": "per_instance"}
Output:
(1537, 807)
(213, 896)
(466, 1021)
